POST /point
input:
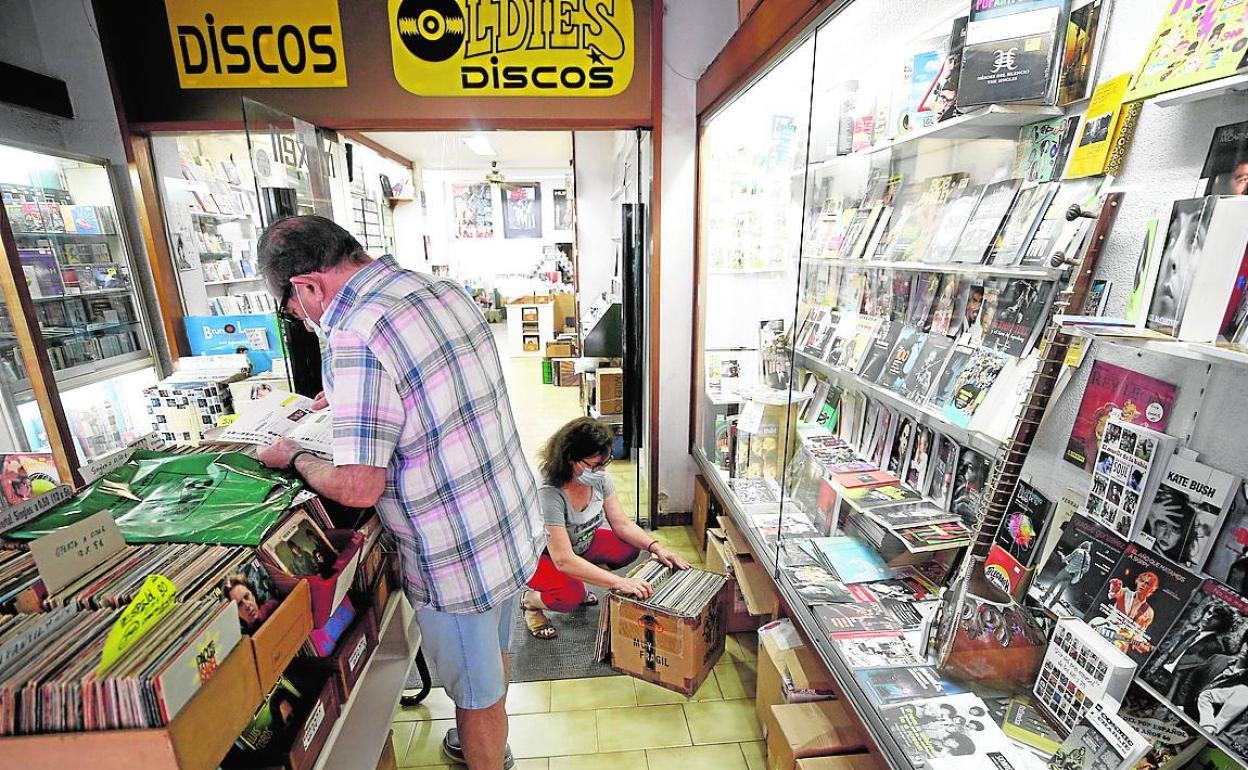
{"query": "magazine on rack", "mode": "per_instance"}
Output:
(1070, 579)
(1205, 54)
(1228, 560)
(1131, 462)
(1083, 50)
(921, 377)
(969, 483)
(917, 470)
(1201, 666)
(1141, 601)
(838, 619)
(952, 732)
(981, 231)
(1012, 51)
(1024, 524)
(282, 415)
(972, 385)
(1022, 222)
(1019, 317)
(1101, 740)
(1042, 149)
(1188, 511)
(1226, 166)
(953, 221)
(1142, 400)
(944, 469)
(1173, 741)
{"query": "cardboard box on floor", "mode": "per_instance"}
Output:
(802, 730)
(846, 762)
(672, 651)
(788, 670)
(717, 561)
(756, 585)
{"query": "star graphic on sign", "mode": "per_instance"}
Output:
(595, 56)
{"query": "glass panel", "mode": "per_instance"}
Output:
(753, 154)
(76, 265)
(288, 163)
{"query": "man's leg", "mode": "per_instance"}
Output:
(467, 655)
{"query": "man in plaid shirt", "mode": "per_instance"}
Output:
(423, 430)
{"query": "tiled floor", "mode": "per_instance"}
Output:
(611, 723)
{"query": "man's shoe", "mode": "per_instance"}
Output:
(454, 751)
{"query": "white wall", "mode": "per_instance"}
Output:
(493, 262)
(1163, 165)
(694, 31)
(597, 220)
(57, 38)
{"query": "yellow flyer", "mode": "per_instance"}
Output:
(1100, 126)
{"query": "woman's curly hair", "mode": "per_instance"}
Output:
(578, 440)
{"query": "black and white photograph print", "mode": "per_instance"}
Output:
(1096, 130)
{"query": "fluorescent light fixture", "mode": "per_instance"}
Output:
(480, 145)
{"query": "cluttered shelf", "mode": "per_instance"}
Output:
(977, 440)
(850, 691)
(1003, 271)
(1153, 342)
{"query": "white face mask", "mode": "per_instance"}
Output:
(309, 324)
(592, 478)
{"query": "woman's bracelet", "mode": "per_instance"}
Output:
(653, 543)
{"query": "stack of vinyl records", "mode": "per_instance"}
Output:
(199, 571)
(53, 677)
(680, 592)
(17, 575)
(908, 537)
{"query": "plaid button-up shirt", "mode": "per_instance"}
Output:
(416, 386)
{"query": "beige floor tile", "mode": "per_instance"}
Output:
(755, 754)
(529, 764)
(437, 705)
(725, 756)
(592, 693)
(528, 698)
(674, 536)
(742, 647)
(643, 727)
(425, 746)
(653, 695)
(736, 680)
(553, 735)
(620, 760)
(725, 721)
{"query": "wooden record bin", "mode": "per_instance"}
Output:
(203, 731)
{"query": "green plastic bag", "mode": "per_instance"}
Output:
(221, 497)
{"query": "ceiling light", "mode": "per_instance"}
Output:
(480, 145)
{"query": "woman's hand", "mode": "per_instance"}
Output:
(639, 588)
(669, 558)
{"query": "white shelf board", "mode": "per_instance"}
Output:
(981, 442)
(358, 736)
(1234, 85)
(981, 123)
(1040, 273)
(233, 280)
(1204, 352)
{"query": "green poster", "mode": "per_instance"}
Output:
(221, 497)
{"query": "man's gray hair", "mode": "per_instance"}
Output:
(304, 244)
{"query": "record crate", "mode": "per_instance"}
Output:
(197, 738)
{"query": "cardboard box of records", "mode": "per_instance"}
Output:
(675, 637)
(797, 731)
(718, 560)
(788, 670)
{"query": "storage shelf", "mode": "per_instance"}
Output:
(218, 215)
(1196, 351)
(1040, 273)
(233, 280)
(358, 736)
(983, 122)
(850, 690)
(1216, 89)
(95, 293)
(981, 442)
(37, 234)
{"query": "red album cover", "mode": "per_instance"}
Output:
(1143, 400)
(1003, 570)
(865, 479)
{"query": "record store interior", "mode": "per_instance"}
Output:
(624, 384)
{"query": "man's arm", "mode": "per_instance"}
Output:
(355, 486)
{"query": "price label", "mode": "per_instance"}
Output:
(751, 419)
(11, 518)
(153, 602)
(67, 554)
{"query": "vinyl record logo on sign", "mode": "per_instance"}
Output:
(512, 47)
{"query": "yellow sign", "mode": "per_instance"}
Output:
(512, 47)
(257, 43)
(154, 600)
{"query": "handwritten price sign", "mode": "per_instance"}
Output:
(67, 554)
(153, 602)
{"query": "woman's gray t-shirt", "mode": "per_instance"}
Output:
(557, 511)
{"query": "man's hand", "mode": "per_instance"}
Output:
(278, 454)
(320, 402)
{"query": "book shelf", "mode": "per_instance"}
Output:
(1204, 352)
(1226, 88)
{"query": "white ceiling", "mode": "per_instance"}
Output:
(446, 149)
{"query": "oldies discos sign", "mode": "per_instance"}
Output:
(512, 47)
(257, 43)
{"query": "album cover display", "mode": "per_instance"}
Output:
(1188, 511)
(972, 384)
(1019, 317)
(1070, 580)
(1130, 464)
(1141, 399)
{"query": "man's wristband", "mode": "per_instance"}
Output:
(290, 466)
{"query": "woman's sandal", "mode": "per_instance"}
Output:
(539, 625)
(590, 599)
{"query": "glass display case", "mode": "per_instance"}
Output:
(76, 265)
(914, 276)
